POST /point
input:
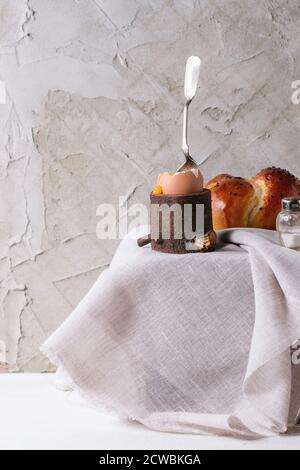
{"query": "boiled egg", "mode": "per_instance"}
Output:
(181, 183)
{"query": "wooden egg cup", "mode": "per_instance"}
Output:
(203, 242)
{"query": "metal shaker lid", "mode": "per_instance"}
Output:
(291, 204)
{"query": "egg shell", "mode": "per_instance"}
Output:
(186, 182)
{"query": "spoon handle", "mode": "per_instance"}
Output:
(185, 147)
(192, 70)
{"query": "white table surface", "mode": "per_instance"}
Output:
(35, 415)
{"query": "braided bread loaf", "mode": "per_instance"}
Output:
(253, 202)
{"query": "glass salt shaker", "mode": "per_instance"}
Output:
(288, 223)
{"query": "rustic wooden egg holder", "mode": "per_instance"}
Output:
(177, 242)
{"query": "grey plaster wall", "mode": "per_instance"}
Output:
(93, 111)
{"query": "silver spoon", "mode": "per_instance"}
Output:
(192, 70)
(191, 78)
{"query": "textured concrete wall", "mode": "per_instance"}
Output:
(93, 111)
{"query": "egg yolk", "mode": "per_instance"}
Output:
(157, 190)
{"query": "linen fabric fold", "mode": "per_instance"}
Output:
(195, 343)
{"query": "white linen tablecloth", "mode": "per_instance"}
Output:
(196, 343)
